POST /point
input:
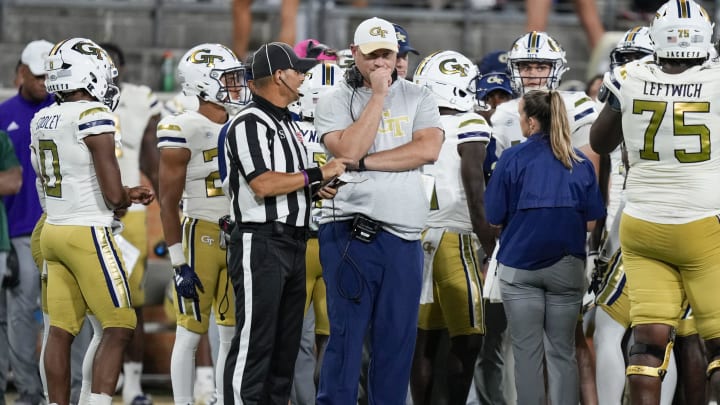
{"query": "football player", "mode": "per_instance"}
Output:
(537, 61)
(85, 346)
(188, 173)
(662, 110)
(452, 283)
(612, 316)
(75, 152)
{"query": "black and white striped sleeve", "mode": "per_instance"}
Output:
(248, 146)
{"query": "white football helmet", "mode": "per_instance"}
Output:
(536, 47)
(681, 29)
(451, 77)
(635, 44)
(345, 58)
(80, 63)
(318, 80)
(213, 73)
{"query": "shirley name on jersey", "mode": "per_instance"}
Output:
(672, 90)
(48, 122)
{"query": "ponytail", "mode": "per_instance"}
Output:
(549, 109)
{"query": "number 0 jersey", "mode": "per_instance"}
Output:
(73, 194)
(581, 113)
(448, 205)
(203, 197)
(672, 133)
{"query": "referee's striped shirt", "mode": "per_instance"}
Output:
(261, 138)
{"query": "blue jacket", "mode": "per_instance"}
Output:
(23, 208)
(542, 206)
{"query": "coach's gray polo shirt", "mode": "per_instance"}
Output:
(398, 199)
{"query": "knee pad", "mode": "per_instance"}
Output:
(657, 351)
(714, 364)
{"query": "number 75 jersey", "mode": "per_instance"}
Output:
(671, 126)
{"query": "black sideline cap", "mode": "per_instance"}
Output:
(278, 56)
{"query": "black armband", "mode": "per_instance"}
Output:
(314, 175)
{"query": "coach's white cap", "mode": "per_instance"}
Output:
(375, 33)
(34, 55)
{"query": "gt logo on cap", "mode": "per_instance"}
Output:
(495, 79)
(205, 58)
(448, 69)
(378, 32)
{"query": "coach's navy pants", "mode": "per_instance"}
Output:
(371, 288)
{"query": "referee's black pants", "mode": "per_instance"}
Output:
(266, 263)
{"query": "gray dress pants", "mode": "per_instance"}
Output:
(303, 388)
(542, 308)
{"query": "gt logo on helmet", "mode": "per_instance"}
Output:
(88, 48)
(203, 57)
(448, 68)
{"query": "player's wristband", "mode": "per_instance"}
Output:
(305, 176)
(177, 257)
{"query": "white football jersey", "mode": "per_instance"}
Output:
(448, 204)
(672, 132)
(203, 197)
(73, 194)
(137, 104)
(581, 113)
(39, 188)
(617, 185)
(178, 104)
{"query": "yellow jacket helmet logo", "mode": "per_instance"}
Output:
(451, 67)
(204, 57)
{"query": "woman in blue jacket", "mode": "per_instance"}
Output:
(544, 197)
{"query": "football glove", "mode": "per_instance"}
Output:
(187, 282)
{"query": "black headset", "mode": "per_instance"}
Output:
(354, 78)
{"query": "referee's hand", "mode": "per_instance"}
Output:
(327, 192)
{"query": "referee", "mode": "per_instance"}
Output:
(271, 198)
